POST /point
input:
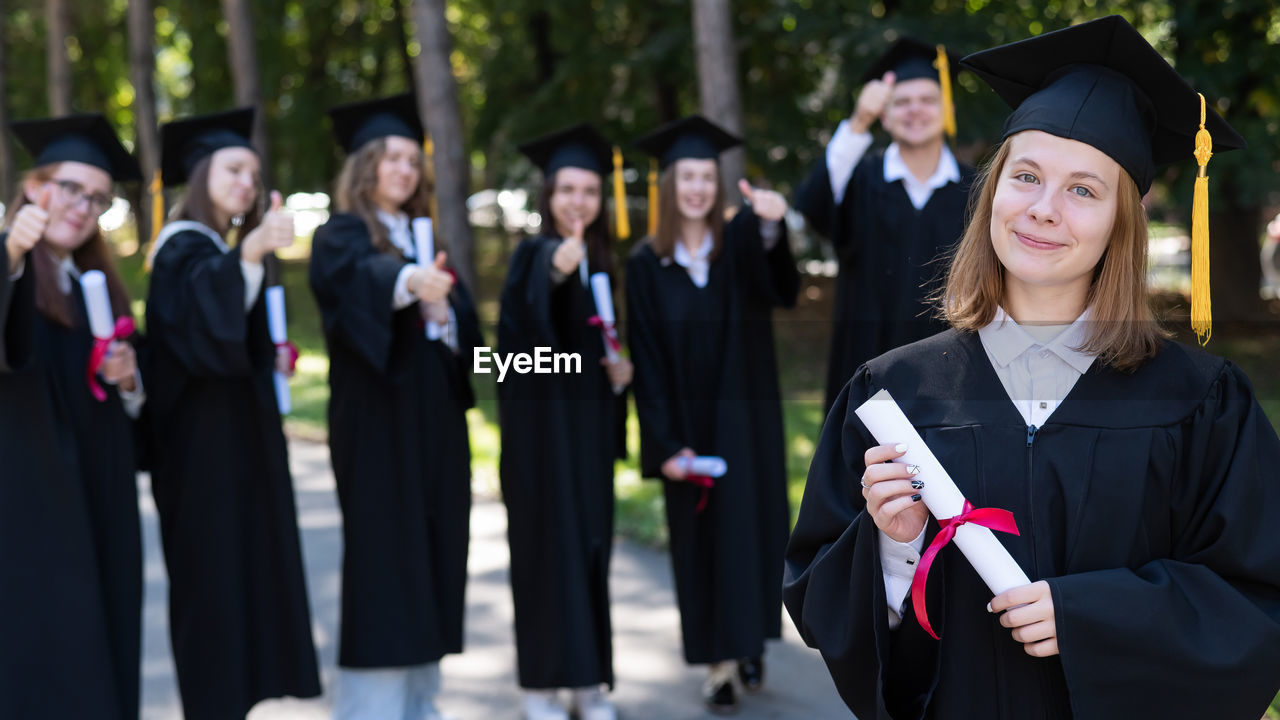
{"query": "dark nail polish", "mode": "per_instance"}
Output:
(917, 484)
(915, 498)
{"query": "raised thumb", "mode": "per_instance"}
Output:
(277, 201)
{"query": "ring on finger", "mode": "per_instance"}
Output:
(863, 483)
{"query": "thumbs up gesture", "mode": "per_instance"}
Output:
(767, 204)
(872, 101)
(273, 233)
(431, 283)
(571, 250)
(28, 227)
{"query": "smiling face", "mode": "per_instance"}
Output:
(233, 181)
(913, 116)
(399, 171)
(1052, 214)
(575, 196)
(697, 183)
(78, 194)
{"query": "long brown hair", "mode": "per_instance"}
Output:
(668, 234)
(357, 184)
(43, 262)
(1123, 329)
(197, 205)
(596, 235)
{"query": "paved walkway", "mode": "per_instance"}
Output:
(653, 682)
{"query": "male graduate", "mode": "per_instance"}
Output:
(890, 213)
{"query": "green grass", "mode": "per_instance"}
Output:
(801, 336)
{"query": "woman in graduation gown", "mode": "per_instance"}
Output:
(71, 569)
(238, 615)
(560, 436)
(700, 296)
(1140, 472)
(397, 418)
(890, 227)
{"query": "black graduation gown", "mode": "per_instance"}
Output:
(559, 441)
(706, 377)
(238, 615)
(1145, 501)
(70, 538)
(890, 259)
(401, 455)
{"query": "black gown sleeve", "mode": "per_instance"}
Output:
(530, 295)
(658, 439)
(833, 584)
(469, 338)
(354, 286)
(815, 200)
(771, 276)
(17, 313)
(197, 294)
(1141, 642)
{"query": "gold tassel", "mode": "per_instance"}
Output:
(428, 147)
(948, 105)
(1201, 306)
(620, 196)
(653, 197)
(157, 212)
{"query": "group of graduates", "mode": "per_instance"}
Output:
(1135, 466)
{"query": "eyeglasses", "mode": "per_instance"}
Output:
(71, 193)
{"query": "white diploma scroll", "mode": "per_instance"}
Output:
(279, 335)
(890, 426)
(707, 465)
(424, 242)
(97, 304)
(603, 294)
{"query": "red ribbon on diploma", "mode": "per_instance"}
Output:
(123, 329)
(706, 483)
(293, 353)
(993, 518)
(610, 335)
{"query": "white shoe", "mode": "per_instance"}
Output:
(543, 705)
(592, 704)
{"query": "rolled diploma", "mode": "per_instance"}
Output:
(890, 426)
(708, 465)
(424, 243)
(98, 304)
(603, 294)
(279, 334)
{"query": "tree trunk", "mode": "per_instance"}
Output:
(59, 64)
(438, 102)
(718, 84)
(242, 47)
(142, 31)
(7, 176)
(1235, 273)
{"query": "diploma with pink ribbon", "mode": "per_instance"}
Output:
(702, 470)
(602, 291)
(424, 242)
(970, 527)
(280, 338)
(103, 326)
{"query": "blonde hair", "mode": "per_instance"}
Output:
(357, 184)
(1123, 329)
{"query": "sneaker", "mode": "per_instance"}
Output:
(592, 704)
(543, 705)
(751, 673)
(718, 692)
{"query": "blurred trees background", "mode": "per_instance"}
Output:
(522, 67)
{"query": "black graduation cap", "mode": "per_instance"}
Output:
(693, 137)
(910, 59)
(81, 138)
(1101, 83)
(1104, 85)
(580, 146)
(357, 123)
(184, 143)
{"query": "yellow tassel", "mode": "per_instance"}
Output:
(157, 212)
(1201, 306)
(653, 198)
(948, 105)
(428, 147)
(620, 196)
